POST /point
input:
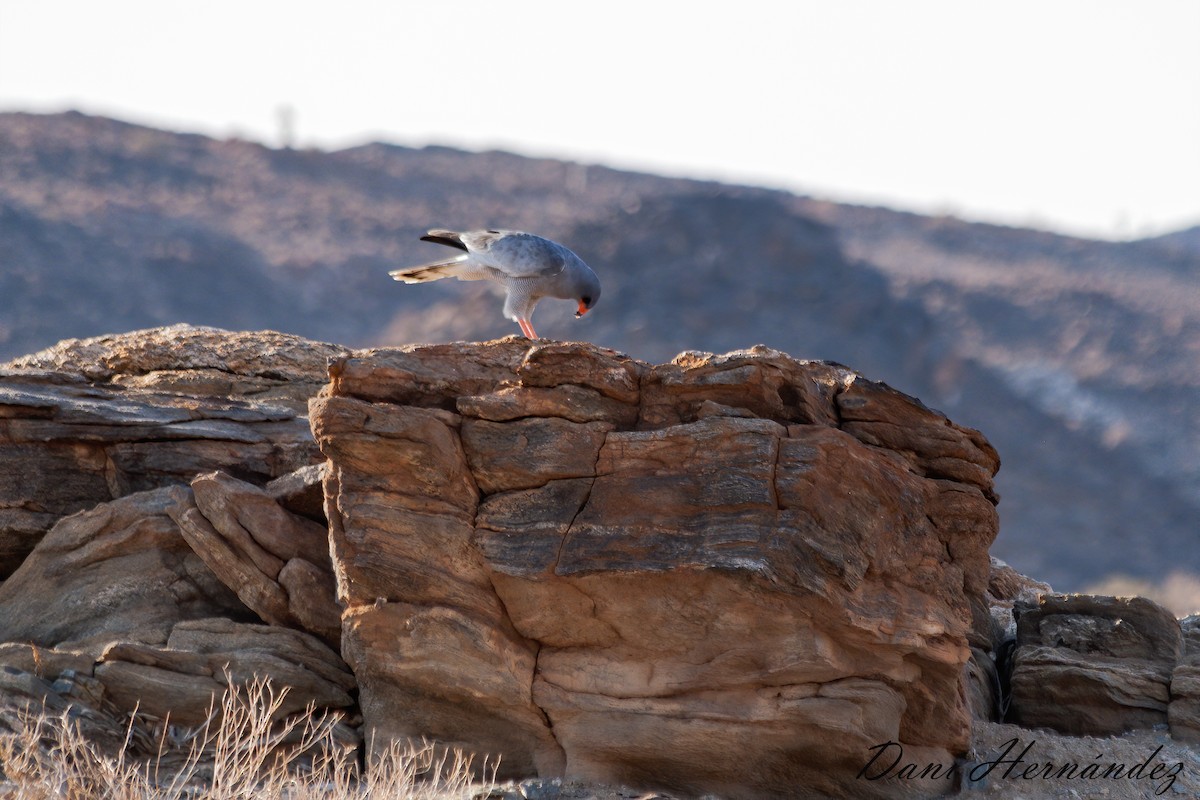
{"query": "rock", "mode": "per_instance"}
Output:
(772, 562)
(120, 571)
(558, 365)
(202, 658)
(935, 447)
(44, 662)
(764, 382)
(451, 677)
(579, 404)
(1006, 589)
(1190, 626)
(1090, 665)
(1183, 714)
(983, 686)
(410, 579)
(1150, 765)
(529, 452)
(993, 636)
(116, 600)
(277, 562)
(196, 361)
(427, 375)
(24, 695)
(181, 681)
(301, 491)
(94, 420)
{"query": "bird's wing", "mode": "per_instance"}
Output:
(448, 238)
(516, 254)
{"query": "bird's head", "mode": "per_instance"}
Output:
(588, 294)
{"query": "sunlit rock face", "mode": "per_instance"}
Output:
(654, 575)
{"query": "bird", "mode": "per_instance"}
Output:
(528, 266)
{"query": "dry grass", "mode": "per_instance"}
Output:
(242, 751)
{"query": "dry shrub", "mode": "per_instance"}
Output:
(241, 752)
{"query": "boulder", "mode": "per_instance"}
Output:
(25, 696)
(202, 658)
(277, 562)
(1007, 589)
(195, 361)
(93, 420)
(1183, 714)
(121, 571)
(654, 575)
(136, 688)
(301, 491)
(115, 599)
(993, 636)
(1093, 665)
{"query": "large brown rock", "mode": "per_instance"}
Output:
(90, 421)
(1093, 665)
(727, 574)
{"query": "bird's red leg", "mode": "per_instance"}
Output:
(527, 329)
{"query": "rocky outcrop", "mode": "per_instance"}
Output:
(191, 361)
(654, 574)
(144, 591)
(1089, 665)
(277, 562)
(201, 658)
(993, 637)
(118, 598)
(597, 568)
(119, 571)
(1008, 589)
(94, 420)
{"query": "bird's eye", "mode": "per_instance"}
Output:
(587, 301)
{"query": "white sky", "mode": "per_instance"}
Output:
(1077, 115)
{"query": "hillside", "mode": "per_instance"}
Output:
(1080, 360)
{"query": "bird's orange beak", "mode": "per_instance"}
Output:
(582, 310)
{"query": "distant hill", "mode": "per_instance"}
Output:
(1184, 241)
(1079, 359)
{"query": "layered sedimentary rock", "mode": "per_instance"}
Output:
(277, 562)
(993, 636)
(90, 421)
(728, 574)
(121, 570)
(654, 575)
(1183, 714)
(1090, 665)
(116, 599)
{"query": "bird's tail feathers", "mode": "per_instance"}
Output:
(434, 271)
(448, 238)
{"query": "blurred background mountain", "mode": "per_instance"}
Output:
(1079, 359)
